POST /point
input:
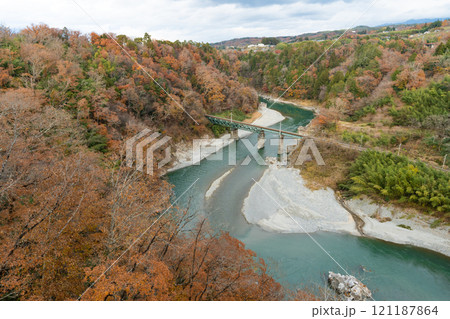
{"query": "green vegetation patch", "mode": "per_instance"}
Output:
(96, 141)
(238, 115)
(371, 108)
(396, 177)
(422, 103)
(365, 56)
(218, 130)
(355, 137)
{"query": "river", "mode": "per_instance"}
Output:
(392, 272)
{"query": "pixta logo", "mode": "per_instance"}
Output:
(144, 144)
(309, 146)
(212, 151)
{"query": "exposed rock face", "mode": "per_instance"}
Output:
(348, 287)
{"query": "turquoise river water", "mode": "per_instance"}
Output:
(393, 272)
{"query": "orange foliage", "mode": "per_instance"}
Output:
(410, 79)
(4, 77)
(67, 213)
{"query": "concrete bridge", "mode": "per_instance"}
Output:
(236, 125)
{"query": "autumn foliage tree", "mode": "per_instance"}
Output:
(69, 207)
(67, 214)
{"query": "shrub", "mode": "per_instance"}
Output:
(436, 223)
(96, 141)
(371, 108)
(355, 137)
(218, 130)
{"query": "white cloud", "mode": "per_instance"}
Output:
(211, 21)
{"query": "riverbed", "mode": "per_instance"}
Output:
(391, 271)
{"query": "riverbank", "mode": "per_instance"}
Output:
(305, 210)
(309, 105)
(291, 207)
(215, 185)
(188, 154)
(400, 226)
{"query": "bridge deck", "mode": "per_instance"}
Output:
(249, 127)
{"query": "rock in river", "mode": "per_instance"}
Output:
(348, 287)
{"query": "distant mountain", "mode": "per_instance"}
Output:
(321, 35)
(413, 21)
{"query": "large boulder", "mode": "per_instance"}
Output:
(348, 287)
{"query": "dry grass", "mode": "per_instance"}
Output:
(337, 164)
(256, 115)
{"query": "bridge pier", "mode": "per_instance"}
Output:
(261, 140)
(282, 154)
(234, 134)
(281, 149)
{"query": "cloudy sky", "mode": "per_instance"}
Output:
(214, 20)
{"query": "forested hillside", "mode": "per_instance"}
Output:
(92, 78)
(383, 89)
(68, 205)
(354, 72)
